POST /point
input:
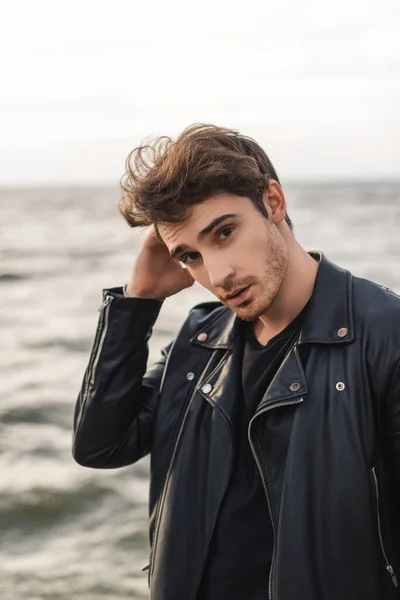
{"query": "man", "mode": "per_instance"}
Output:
(273, 420)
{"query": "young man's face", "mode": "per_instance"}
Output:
(229, 247)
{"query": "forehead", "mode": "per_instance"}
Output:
(202, 215)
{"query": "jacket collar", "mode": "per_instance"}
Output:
(328, 319)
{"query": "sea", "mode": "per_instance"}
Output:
(69, 532)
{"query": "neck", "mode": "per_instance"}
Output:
(295, 292)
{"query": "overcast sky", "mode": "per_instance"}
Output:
(82, 82)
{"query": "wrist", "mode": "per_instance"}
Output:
(131, 291)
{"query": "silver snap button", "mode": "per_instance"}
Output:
(206, 389)
(340, 386)
(343, 331)
(190, 376)
(294, 387)
(202, 337)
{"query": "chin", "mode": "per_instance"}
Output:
(252, 310)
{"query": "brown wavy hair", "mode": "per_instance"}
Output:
(165, 178)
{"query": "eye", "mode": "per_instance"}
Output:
(225, 232)
(189, 257)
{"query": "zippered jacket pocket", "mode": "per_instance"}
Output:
(379, 521)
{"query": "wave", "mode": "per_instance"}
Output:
(11, 277)
(49, 413)
(82, 344)
(42, 506)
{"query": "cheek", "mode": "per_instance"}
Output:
(247, 255)
(253, 240)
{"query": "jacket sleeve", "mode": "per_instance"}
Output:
(116, 405)
(390, 430)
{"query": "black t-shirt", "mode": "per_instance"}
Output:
(260, 363)
(240, 553)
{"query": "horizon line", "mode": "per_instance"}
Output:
(295, 181)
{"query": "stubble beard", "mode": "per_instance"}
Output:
(270, 283)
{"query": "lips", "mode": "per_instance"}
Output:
(239, 297)
(239, 291)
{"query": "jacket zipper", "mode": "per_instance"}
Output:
(297, 401)
(104, 310)
(148, 567)
(164, 492)
(389, 567)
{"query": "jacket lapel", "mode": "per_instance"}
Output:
(328, 320)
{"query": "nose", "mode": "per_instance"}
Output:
(219, 271)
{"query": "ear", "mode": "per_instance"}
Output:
(275, 202)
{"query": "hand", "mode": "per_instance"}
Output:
(155, 274)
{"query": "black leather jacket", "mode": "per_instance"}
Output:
(325, 437)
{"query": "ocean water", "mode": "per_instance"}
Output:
(66, 531)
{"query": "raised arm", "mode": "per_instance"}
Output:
(115, 409)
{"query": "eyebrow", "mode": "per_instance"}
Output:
(203, 233)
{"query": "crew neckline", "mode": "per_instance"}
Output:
(289, 329)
